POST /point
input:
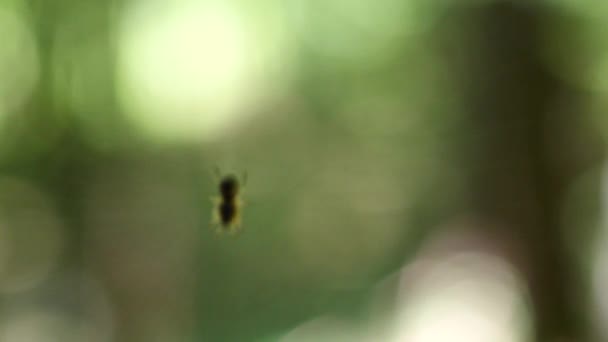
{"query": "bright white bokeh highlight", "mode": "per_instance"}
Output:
(448, 294)
(467, 296)
(190, 70)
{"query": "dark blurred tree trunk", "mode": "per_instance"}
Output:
(525, 154)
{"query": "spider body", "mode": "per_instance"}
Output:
(228, 205)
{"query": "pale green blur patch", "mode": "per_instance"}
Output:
(18, 62)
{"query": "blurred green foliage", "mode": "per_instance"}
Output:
(348, 116)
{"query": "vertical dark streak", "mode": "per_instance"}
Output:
(515, 180)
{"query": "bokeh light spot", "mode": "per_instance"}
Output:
(190, 70)
(466, 296)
